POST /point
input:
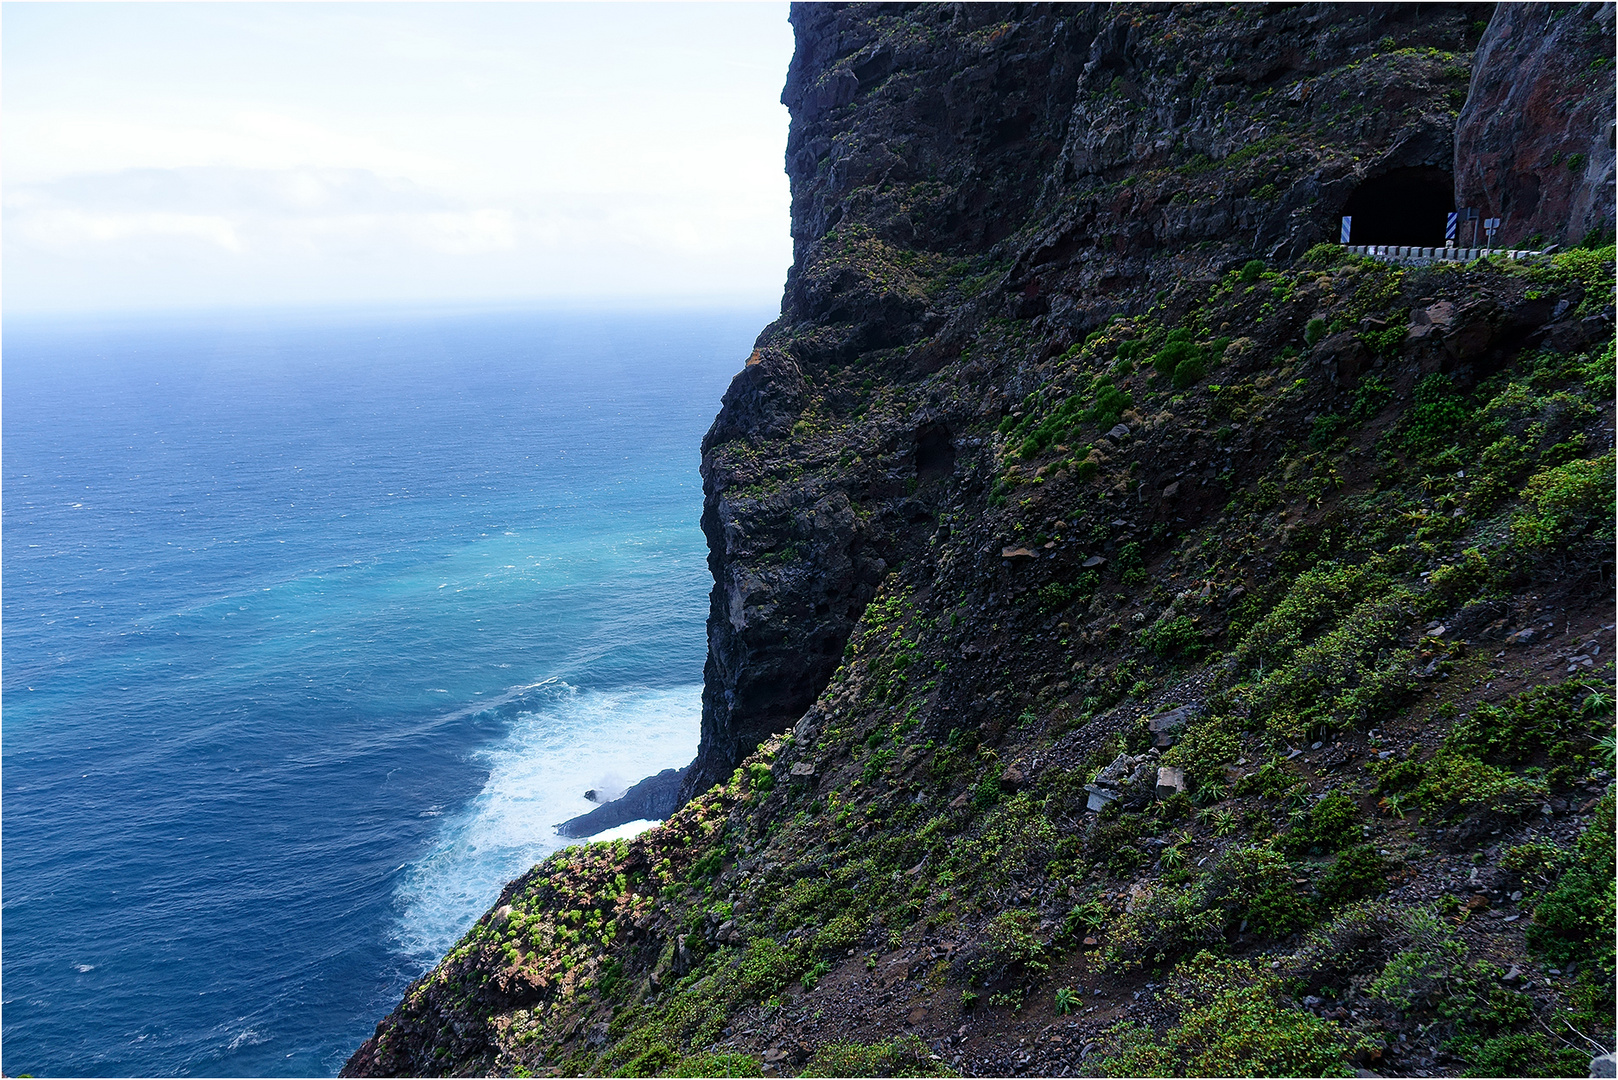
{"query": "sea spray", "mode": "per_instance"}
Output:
(558, 749)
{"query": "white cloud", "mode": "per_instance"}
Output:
(62, 229)
(207, 154)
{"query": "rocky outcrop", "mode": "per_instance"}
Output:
(653, 799)
(1534, 144)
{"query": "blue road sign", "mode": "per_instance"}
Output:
(1449, 226)
(1348, 223)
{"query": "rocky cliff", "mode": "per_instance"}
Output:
(1145, 640)
(1534, 145)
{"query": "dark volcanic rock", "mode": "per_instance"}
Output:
(1534, 144)
(654, 799)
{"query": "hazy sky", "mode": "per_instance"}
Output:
(193, 155)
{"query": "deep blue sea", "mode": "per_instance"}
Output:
(314, 626)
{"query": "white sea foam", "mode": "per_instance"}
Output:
(576, 740)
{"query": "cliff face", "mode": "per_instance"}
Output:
(1081, 158)
(1535, 141)
(1145, 640)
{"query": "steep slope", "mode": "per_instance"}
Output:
(1143, 638)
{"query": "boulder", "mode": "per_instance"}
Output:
(1100, 797)
(1344, 356)
(1169, 781)
(1165, 727)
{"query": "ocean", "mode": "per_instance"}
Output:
(314, 626)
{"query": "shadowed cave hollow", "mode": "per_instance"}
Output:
(1405, 207)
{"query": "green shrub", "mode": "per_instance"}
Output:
(1251, 271)
(1358, 873)
(1177, 637)
(1347, 676)
(1164, 924)
(1177, 350)
(1541, 721)
(1234, 1021)
(1326, 256)
(1326, 429)
(1369, 398)
(1424, 971)
(716, 1065)
(1524, 1054)
(1203, 751)
(1436, 418)
(1315, 596)
(1011, 940)
(1131, 566)
(1575, 919)
(1314, 330)
(902, 1055)
(1109, 405)
(1567, 504)
(1331, 825)
(1460, 781)
(1256, 883)
(1056, 595)
(1189, 372)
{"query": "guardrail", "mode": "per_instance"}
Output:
(1425, 256)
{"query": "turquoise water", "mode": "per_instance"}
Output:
(313, 628)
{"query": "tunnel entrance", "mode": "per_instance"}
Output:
(1403, 206)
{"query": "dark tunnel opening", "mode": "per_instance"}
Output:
(1405, 207)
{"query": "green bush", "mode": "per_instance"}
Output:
(1326, 256)
(1189, 372)
(1314, 598)
(1056, 595)
(717, 1065)
(1313, 331)
(1527, 1054)
(1131, 566)
(1203, 751)
(1256, 883)
(1567, 504)
(1251, 271)
(1575, 919)
(1541, 721)
(1109, 405)
(1177, 350)
(1436, 418)
(1234, 1021)
(1011, 940)
(1326, 429)
(1165, 924)
(1172, 638)
(1331, 825)
(903, 1055)
(1358, 873)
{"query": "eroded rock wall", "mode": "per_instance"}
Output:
(1534, 144)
